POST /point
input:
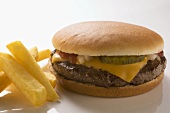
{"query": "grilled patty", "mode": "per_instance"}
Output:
(83, 74)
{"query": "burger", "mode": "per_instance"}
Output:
(108, 59)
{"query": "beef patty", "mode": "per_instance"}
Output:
(83, 74)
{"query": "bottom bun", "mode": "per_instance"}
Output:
(92, 90)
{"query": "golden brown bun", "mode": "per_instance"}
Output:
(107, 38)
(88, 89)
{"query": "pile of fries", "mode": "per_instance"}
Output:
(21, 69)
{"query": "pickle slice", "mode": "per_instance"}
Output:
(121, 60)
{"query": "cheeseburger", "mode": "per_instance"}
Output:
(108, 59)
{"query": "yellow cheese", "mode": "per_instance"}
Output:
(125, 72)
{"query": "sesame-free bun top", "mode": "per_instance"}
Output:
(107, 38)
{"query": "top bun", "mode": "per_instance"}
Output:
(107, 38)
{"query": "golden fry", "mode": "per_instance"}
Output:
(43, 54)
(4, 81)
(27, 84)
(34, 52)
(24, 57)
(51, 78)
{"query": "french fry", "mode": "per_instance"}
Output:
(43, 54)
(24, 57)
(4, 81)
(27, 84)
(51, 78)
(38, 56)
(34, 52)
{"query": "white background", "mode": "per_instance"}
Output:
(34, 22)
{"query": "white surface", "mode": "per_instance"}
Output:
(34, 22)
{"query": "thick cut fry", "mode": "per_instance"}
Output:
(34, 52)
(27, 84)
(51, 78)
(24, 57)
(43, 54)
(4, 81)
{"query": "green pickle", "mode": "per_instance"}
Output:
(121, 60)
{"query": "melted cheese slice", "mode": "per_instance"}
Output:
(125, 72)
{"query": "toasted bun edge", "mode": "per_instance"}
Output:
(107, 38)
